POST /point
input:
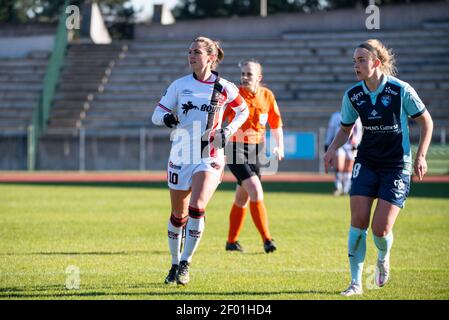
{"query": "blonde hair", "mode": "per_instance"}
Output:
(212, 48)
(384, 54)
(248, 61)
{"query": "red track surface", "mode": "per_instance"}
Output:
(159, 176)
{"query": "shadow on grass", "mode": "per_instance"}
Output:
(99, 253)
(420, 190)
(17, 293)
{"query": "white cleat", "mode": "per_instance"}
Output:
(382, 272)
(353, 289)
(338, 192)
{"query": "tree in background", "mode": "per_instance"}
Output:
(21, 11)
(198, 9)
(119, 15)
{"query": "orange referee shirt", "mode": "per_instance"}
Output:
(263, 109)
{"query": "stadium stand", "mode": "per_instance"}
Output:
(24, 55)
(85, 72)
(100, 114)
(20, 85)
(307, 71)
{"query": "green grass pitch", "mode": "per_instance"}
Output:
(115, 235)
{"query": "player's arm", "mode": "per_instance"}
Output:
(348, 117)
(356, 135)
(417, 110)
(278, 135)
(275, 122)
(163, 113)
(426, 124)
(164, 116)
(341, 137)
(240, 108)
(331, 129)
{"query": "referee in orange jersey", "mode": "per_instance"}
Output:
(248, 148)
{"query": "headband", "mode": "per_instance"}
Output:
(368, 47)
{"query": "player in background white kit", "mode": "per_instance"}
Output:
(194, 104)
(344, 157)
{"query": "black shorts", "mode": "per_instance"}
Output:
(244, 160)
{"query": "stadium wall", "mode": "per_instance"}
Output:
(117, 152)
(397, 17)
(13, 30)
(102, 152)
(13, 152)
(22, 46)
(18, 40)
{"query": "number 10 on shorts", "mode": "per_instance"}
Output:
(173, 177)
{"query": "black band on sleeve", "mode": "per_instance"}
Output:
(347, 124)
(416, 115)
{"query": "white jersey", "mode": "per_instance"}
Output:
(334, 126)
(199, 117)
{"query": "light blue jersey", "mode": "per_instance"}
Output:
(384, 113)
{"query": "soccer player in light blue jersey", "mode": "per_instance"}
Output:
(383, 165)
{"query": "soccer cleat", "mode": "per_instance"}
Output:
(353, 289)
(171, 277)
(338, 192)
(382, 272)
(182, 277)
(233, 246)
(269, 246)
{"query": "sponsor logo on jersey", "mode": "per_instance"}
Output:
(390, 91)
(186, 92)
(360, 103)
(186, 107)
(174, 166)
(385, 129)
(215, 165)
(222, 99)
(356, 96)
(374, 115)
(386, 100)
(210, 109)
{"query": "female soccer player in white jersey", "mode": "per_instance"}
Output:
(194, 104)
(383, 165)
(344, 157)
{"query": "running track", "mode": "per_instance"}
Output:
(159, 176)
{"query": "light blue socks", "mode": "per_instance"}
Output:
(357, 252)
(384, 245)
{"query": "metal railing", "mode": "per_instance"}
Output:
(42, 110)
(147, 149)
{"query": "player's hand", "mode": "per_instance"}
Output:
(329, 157)
(221, 137)
(278, 152)
(420, 167)
(171, 119)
